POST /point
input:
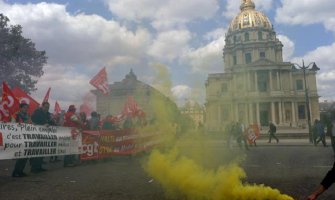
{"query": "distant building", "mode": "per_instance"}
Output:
(143, 94)
(195, 111)
(257, 86)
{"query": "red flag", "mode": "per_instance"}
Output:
(57, 108)
(23, 97)
(130, 107)
(100, 81)
(46, 97)
(9, 104)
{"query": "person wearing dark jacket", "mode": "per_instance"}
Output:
(21, 117)
(40, 116)
(272, 132)
(327, 181)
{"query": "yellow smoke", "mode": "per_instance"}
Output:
(182, 178)
(185, 166)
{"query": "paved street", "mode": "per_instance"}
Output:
(295, 167)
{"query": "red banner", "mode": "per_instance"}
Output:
(90, 143)
(100, 81)
(25, 98)
(9, 104)
(104, 144)
(252, 133)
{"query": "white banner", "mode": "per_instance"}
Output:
(27, 140)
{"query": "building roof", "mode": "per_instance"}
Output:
(249, 18)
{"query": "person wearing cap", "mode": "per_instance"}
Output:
(71, 120)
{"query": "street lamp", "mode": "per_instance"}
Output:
(314, 68)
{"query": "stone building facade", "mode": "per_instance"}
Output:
(257, 86)
(144, 95)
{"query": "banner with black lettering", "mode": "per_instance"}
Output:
(27, 140)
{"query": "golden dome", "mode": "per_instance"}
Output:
(249, 18)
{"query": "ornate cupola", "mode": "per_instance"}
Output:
(250, 37)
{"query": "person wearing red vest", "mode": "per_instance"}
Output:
(71, 120)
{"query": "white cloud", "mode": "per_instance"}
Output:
(181, 92)
(79, 39)
(163, 14)
(307, 12)
(288, 48)
(233, 7)
(208, 58)
(324, 58)
(170, 45)
(77, 46)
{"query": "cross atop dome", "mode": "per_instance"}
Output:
(247, 4)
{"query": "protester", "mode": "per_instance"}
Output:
(272, 132)
(84, 121)
(239, 131)
(332, 133)
(40, 116)
(21, 117)
(59, 121)
(108, 123)
(71, 120)
(327, 181)
(128, 123)
(320, 129)
(93, 122)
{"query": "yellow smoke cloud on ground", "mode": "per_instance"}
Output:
(182, 178)
(179, 164)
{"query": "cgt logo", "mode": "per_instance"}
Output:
(1, 140)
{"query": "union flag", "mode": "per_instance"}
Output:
(23, 97)
(9, 104)
(100, 81)
(46, 97)
(57, 109)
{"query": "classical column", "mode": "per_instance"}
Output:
(280, 112)
(251, 114)
(256, 82)
(219, 115)
(249, 82)
(257, 114)
(291, 81)
(278, 81)
(293, 114)
(273, 117)
(270, 76)
(236, 111)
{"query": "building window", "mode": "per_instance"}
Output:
(260, 35)
(262, 54)
(301, 112)
(224, 88)
(262, 81)
(248, 58)
(234, 60)
(299, 84)
(246, 37)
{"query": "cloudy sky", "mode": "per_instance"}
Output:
(183, 38)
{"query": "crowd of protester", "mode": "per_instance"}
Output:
(70, 118)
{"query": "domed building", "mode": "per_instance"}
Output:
(257, 86)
